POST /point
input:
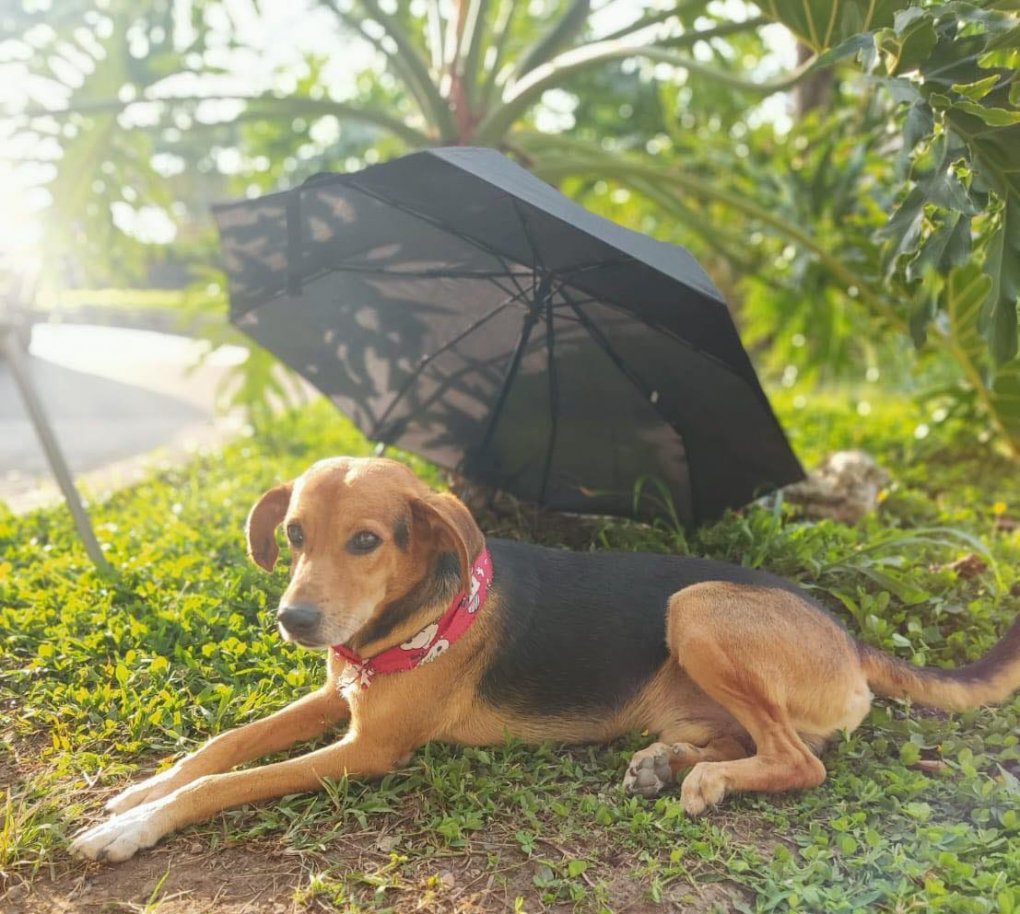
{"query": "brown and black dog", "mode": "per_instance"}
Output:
(739, 673)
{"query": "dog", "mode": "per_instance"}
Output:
(434, 633)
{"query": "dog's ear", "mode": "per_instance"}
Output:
(263, 519)
(451, 526)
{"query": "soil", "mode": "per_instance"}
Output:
(187, 875)
(185, 880)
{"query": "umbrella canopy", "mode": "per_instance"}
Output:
(454, 305)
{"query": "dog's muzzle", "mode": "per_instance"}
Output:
(299, 622)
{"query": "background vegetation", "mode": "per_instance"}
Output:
(860, 208)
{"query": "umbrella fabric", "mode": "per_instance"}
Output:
(454, 305)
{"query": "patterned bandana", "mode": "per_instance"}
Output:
(429, 643)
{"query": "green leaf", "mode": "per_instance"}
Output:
(1008, 38)
(411, 64)
(910, 42)
(945, 189)
(947, 247)
(898, 584)
(857, 46)
(976, 90)
(823, 24)
(963, 296)
(558, 36)
(576, 867)
(1002, 263)
(994, 117)
(905, 20)
(528, 90)
(470, 46)
(904, 226)
(909, 754)
(998, 390)
(919, 123)
(1006, 391)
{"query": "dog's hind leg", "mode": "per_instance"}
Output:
(654, 769)
(782, 668)
(302, 720)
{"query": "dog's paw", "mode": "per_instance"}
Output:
(649, 772)
(683, 756)
(704, 786)
(154, 788)
(119, 837)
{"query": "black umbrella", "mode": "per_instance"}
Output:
(454, 305)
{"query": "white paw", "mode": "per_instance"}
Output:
(703, 788)
(150, 789)
(120, 836)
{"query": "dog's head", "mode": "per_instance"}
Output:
(373, 548)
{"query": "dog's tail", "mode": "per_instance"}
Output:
(987, 681)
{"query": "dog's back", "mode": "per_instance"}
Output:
(583, 631)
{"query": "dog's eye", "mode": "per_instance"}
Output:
(364, 541)
(295, 534)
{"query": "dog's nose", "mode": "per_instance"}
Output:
(299, 620)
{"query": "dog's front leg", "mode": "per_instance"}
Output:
(121, 835)
(304, 719)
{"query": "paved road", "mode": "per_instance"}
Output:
(119, 400)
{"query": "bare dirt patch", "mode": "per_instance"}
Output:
(187, 876)
(184, 880)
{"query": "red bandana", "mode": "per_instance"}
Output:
(429, 643)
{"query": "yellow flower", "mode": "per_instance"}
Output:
(999, 507)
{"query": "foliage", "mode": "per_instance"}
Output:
(440, 75)
(103, 675)
(835, 235)
(851, 255)
(951, 70)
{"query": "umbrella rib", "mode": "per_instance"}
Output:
(538, 264)
(594, 265)
(646, 391)
(427, 360)
(488, 249)
(293, 219)
(442, 387)
(295, 279)
(494, 278)
(554, 398)
(508, 378)
(667, 332)
(415, 274)
(629, 374)
(435, 223)
(396, 274)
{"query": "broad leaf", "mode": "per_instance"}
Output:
(1006, 392)
(910, 41)
(964, 293)
(999, 315)
(823, 24)
(998, 390)
(976, 90)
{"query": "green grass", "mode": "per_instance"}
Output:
(102, 676)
